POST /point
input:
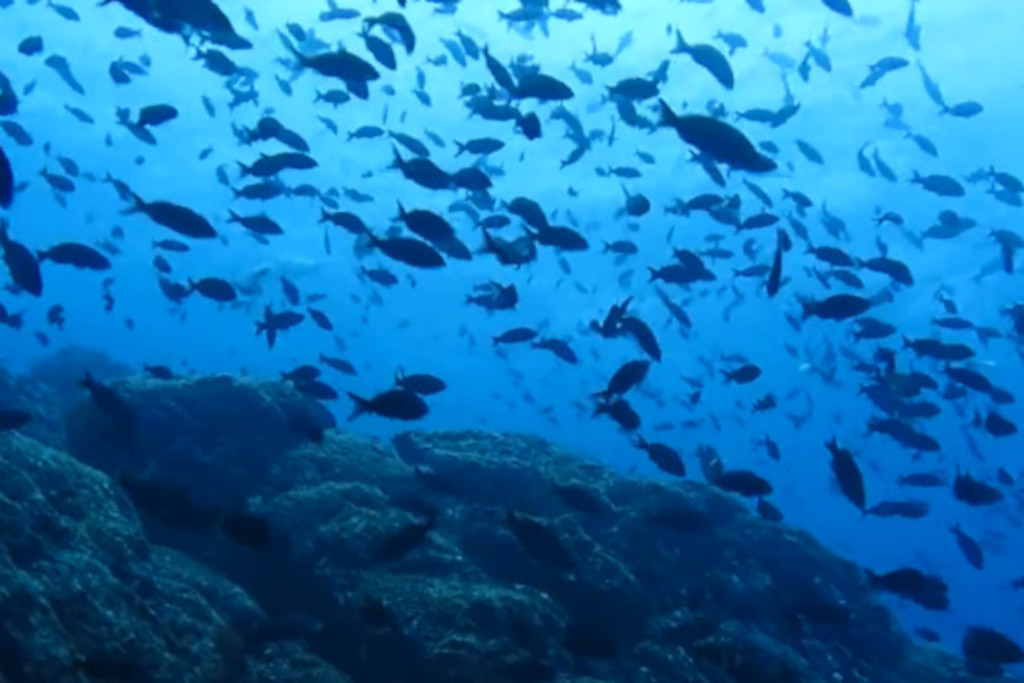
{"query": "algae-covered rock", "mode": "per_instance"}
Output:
(440, 558)
(218, 435)
(83, 596)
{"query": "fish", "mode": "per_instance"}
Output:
(848, 474)
(176, 217)
(214, 288)
(6, 181)
(722, 142)
(745, 374)
(988, 645)
(664, 457)
(110, 403)
(21, 264)
(422, 384)
(836, 307)
(975, 492)
(742, 482)
(74, 254)
(927, 590)
(395, 404)
(12, 419)
(969, 547)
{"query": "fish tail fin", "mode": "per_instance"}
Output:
(807, 308)
(681, 45)
(361, 406)
(137, 206)
(654, 274)
(668, 117)
(461, 147)
(290, 47)
(398, 161)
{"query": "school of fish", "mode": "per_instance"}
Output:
(746, 240)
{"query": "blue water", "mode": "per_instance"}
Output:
(970, 49)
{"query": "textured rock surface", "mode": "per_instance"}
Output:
(84, 596)
(457, 557)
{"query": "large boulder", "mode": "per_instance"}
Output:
(83, 594)
(463, 556)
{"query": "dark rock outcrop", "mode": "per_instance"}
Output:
(457, 557)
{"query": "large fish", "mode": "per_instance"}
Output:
(717, 139)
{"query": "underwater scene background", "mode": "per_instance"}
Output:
(753, 263)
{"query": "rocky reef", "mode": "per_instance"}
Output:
(439, 557)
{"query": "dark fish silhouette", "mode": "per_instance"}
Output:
(396, 404)
(21, 264)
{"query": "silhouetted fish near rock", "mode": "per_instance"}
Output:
(742, 482)
(926, 590)
(620, 411)
(541, 540)
(161, 372)
(110, 402)
(910, 509)
(717, 139)
(848, 474)
(399, 543)
(12, 418)
(664, 457)
(988, 645)
(396, 404)
(246, 528)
